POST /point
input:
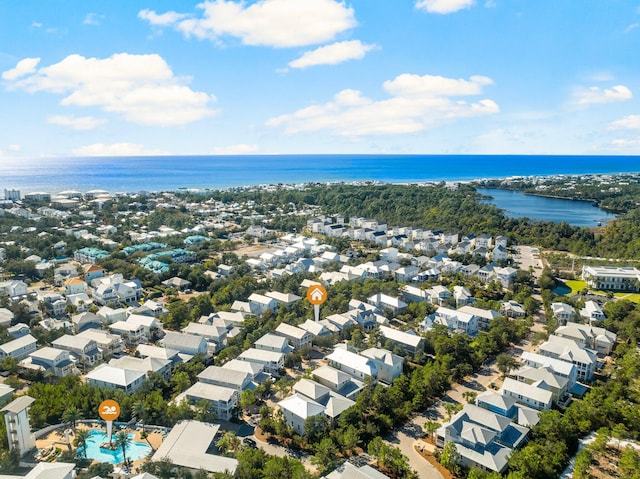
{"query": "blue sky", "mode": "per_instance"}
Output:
(83, 78)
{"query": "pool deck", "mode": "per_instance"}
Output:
(57, 439)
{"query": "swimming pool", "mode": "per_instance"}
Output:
(135, 450)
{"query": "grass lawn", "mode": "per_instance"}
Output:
(633, 297)
(576, 285)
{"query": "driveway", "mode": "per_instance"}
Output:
(404, 438)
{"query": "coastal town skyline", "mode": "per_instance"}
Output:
(283, 77)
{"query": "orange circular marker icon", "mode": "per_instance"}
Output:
(109, 410)
(316, 294)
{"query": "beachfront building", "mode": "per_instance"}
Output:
(612, 278)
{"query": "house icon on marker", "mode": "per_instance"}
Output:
(317, 295)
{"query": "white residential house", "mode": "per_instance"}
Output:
(414, 294)
(406, 273)
(598, 339)
(147, 365)
(383, 301)
(389, 365)
(74, 286)
(222, 400)
(438, 295)
(316, 328)
(500, 253)
(51, 361)
(216, 336)
(84, 321)
(18, 348)
(537, 395)
(228, 378)
(410, 342)
(462, 296)
(149, 324)
(545, 378)
(513, 309)
(111, 315)
(14, 288)
(560, 367)
(286, 299)
(83, 349)
(6, 317)
(272, 361)
(273, 342)
(297, 337)
(592, 312)
(108, 344)
(260, 304)
(188, 344)
(297, 408)
(359, 367)
(338, 381)
(563, 312)
(568, 350)
(483, 439)
(485, 316)
(113, 377)
(455, 320)
(132, 334)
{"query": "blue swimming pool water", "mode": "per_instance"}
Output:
(135, 450)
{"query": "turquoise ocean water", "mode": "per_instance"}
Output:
(166, 173)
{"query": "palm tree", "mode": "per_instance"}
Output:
(431, 427)
(228, 442)
(82, 435)
(139, 412)
(122, 441)
(71, 415)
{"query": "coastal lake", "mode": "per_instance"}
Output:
(518, 205)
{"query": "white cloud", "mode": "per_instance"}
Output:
(629, 122)
(444, 6)
(631, 27)
(631, 145)
(142, 88)
(115, 149)
(76, 123)
(597, 95)
(274, 23)
(241, 149)
(93, 19)
(36, 25)
(333, 54)
(416, 103)
(162, 20)
(24, 67)
(14, 147)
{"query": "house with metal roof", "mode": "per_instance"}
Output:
(114, 377)
(188, 445)
(482, 438)
(18, 348)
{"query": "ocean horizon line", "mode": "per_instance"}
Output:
(218, 172)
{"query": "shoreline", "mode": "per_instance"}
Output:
(475, 181)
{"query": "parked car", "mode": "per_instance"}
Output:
(247, 441)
